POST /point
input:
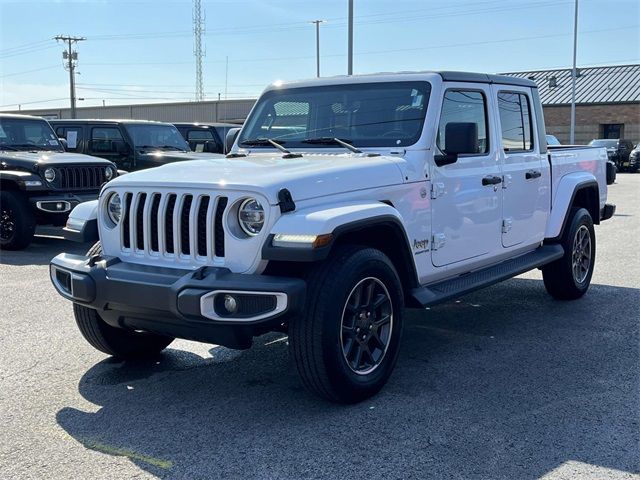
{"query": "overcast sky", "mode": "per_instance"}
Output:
(142, 51)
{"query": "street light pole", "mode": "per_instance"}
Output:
(572, 133)
(350, 35)
(317, 23)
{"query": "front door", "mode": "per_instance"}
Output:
(467, 195)
(526, 176)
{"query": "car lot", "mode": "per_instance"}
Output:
(505, 383)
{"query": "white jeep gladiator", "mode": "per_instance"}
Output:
(344, 200)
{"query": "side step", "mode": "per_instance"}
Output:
(468, 282)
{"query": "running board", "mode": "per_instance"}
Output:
(468, 282)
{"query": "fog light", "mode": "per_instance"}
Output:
(230, 304)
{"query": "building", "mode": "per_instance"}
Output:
(233, 111)
(607, 102)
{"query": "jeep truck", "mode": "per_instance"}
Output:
(40, 183)
(343, 201)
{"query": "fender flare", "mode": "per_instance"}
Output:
(82, 224)
(567, 189)
(19, 177)
(337, 220)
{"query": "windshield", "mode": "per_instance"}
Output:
(27, 134)
(604, 143)
(157, 136)
(367, 115)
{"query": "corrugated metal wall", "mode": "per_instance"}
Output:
(213, 111)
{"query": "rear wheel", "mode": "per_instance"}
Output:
(569, 277)
(17, 222)
(347, 344)
(118, 342)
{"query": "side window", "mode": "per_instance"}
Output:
(515, 121)
(464, 106)
(103, 138)
(202, 135)
(72, 135)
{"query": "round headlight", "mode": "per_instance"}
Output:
(109, 173)
(49, 174)
(251, 216)
(114, 208)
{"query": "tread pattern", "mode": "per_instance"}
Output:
(25, 225)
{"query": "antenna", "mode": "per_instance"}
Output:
(198, 51)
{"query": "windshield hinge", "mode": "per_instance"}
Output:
(286, 202)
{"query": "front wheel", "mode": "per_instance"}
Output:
(569, 277)
(17, 222)
(347, 344)
(118, 342)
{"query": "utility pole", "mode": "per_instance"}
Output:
(572, 133)
(198, 51)
(71, 57)
(350, 47)
(317, 23)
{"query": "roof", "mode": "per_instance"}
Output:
(616, 84)
(106, 120)
(205, 124)
(20, 117)
(426, 75)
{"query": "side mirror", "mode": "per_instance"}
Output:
(64, 143)
(211, 146)
(121, 148)
(460, 138)
(230, 139)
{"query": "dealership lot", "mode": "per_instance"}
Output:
(505, 383)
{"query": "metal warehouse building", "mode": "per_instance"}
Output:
(607, 102)
(234, 111)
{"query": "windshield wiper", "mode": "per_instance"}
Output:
(30, 146)
(273, 143)
(332, 141)
(9, 147)
(172, 147)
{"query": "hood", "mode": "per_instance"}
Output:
(30, 160)
(310, 176)
(168, 156)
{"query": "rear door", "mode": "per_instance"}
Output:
(467, 196)
(525, 172)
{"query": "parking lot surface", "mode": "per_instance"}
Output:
(504, 383)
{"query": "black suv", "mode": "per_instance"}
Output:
(39, 182)
(618, 151)
(130, 144)
(206, 137)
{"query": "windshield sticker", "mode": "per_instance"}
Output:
(53, 142)
(52, 135)
(72, 139)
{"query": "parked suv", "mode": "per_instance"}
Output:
(343, 200)
(618, 151)
(130, 144)
(39, 182)
(205, 137)
(634, 159)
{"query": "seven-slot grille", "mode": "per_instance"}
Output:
(80, 178)
(184, 224)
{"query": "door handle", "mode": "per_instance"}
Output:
(491, 180)
(533, 174)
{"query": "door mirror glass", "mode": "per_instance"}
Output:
(461, 138)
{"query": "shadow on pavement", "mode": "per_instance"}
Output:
(504, 384)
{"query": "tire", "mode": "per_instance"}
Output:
(118, 342)
(17, 222)
(562, 279)
(325, 342)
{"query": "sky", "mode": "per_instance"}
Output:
(142, 51)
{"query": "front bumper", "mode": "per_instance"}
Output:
(607, 212)
(177, 303)
(58, 203)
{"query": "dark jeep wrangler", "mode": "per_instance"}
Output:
(40, 183)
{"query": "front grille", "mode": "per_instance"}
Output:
(80, 177)
(167, 223)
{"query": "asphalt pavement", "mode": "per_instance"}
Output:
(505, 383)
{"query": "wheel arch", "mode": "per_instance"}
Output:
(576, 192)
(377, 225)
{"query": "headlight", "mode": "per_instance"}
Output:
(109, 173)
(114, 208)
(251, 216)
(49, 174)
